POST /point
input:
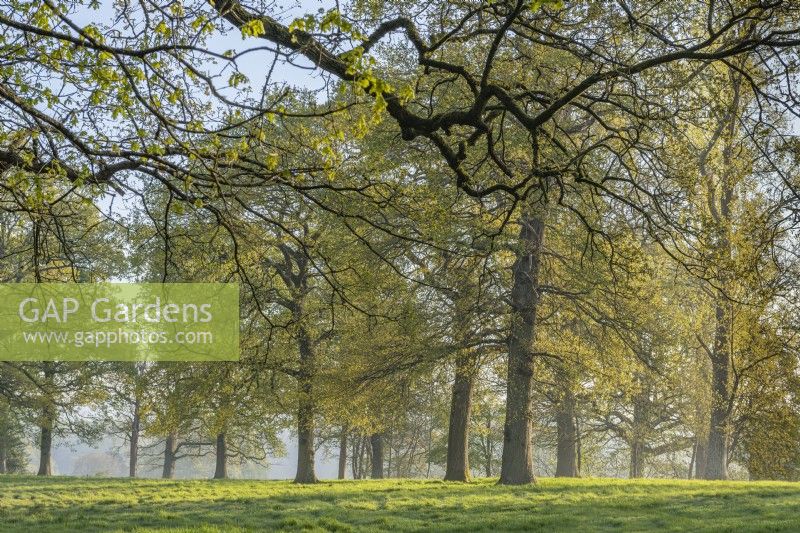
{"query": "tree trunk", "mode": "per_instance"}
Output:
(388, 469)
(458, 434)
(46, 443)
(169, 456)
(46, 426)
(306, 471)
(578, 445)
(365, 458)
(3, 455)
(517, 462)
(637, 459)
(343, 453)
(716, 459)
(221, 471)
(134, 449)
(717, 449)
(45, 452)
(376, 443)
(367, 455)
(305, 443)
(641, 402)
(488, 448)
(700, 458)
(355, 462)
(567, 454)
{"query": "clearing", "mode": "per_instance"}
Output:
(101, 504)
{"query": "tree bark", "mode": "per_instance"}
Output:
(488, 448)
(45, 451)
(306, 470)
(134, 448)
(716, 452)
(355, 462)
(3, 455)
(640, 421)
(46, 426)
(170, 444)
(567, 453)
(716, 459)
(343, 453)
(366, 456)
(221, 471)
(458, 433)
(517, 461)
(637, 459)
(700, 458)
(46, 441)
(388, 468)
(376, 443)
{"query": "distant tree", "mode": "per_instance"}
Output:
(13, 442)
(125, 410)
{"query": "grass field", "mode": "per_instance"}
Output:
(89, 504)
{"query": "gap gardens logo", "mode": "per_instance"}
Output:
(119, 321)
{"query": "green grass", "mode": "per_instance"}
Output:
(89, 504)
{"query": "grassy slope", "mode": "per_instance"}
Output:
(88, 504)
